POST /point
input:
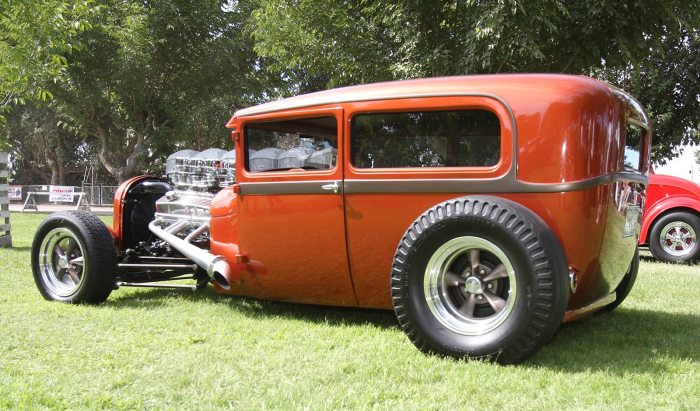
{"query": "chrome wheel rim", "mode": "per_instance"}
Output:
(470, 285)
(678, 238)
(61, 262)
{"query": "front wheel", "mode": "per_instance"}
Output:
(479, 277)
(674, 237)
(74, 259)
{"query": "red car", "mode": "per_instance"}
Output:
(484, 210)
(671, 222)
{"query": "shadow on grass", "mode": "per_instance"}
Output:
(620, 342)
(623, 341)
(27, 248)
(648, 259)
(255, 308)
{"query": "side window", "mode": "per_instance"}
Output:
(456, 138)
(633, 141)
(307, 143)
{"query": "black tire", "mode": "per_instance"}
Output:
(534, 307)
(74, 258)
(688, 224)
(623, 289)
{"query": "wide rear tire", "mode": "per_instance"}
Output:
(479, 277)
(74, 258)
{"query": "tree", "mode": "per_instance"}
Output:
(35, 39)
(42, 150)
(357, 41)
(633, 44)
(156, 75)
(667, 83)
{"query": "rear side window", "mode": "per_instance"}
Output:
(455, 138)
(308, 143)
(633, 142)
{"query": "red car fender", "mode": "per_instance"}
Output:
(119, 197)
(662, 206)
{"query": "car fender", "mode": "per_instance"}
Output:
(663, 206)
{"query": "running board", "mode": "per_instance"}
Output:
(596, 305)
(191, 267)
(157, 285)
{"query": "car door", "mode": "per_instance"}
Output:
(292, 224)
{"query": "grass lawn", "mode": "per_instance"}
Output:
(182, 350)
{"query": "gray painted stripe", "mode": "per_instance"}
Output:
(457, 186)
(460, 186)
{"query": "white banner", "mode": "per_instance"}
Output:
(15, 192)
(61, 193)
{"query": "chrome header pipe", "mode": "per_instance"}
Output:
(216, 266)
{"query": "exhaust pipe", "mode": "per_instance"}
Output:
(216, 266)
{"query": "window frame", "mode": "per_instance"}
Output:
(437, 103)
(351, 152)
(641, 149)
(296, 174)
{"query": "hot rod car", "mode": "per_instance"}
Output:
(484, 210)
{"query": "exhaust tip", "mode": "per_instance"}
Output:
(221, 280)
(220, 272)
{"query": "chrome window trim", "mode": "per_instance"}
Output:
(290, 187)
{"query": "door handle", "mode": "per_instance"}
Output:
(331, 187)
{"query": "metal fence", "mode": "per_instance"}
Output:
(5, 234)
(99, 195)
(94, 195)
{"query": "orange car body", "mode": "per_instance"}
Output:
(289, 238)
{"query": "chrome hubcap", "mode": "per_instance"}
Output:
(61, 261)
(473, 285)
(678, 238)
(470, 285)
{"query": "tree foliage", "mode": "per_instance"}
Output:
(136, 80)
(355, 41)
(44, 151)
(36, 39)
(667, 83)
(649, 48)
(156, 74)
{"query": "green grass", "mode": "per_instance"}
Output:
(181, 350)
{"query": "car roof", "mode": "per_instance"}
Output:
(504, 86)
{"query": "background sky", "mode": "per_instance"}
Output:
(683, 166)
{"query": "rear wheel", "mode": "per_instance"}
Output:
(479, 277)
(74, 258)
(674, 237)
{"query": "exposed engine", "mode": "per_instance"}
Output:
(168, 233)
(206, 171)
